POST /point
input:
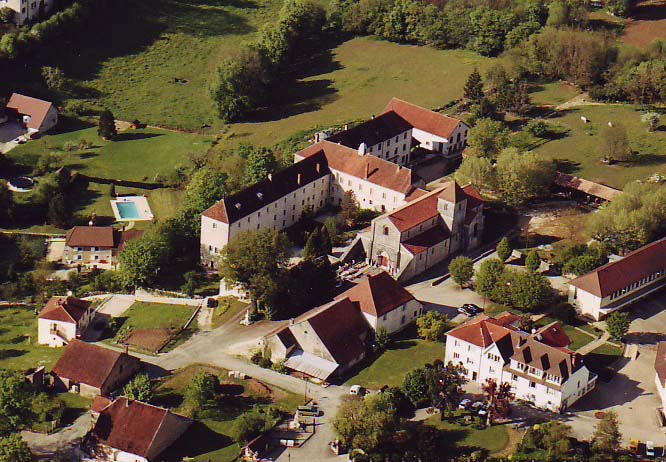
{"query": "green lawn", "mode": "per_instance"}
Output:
(137, 155)
(552, 93)
(492, 439)
(209, 439)
(577, 337)
(157, 316)
(391, 367)
(581, 149)
(600, 359)
(227, 308)
(18, 341)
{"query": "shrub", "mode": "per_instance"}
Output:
(537, 127)
(504, 249)
(382, 339)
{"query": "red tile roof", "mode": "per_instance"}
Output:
(372, 132)
(424, 119)
(91, 236)
(37, 109)
(265, 192)
(65, 309)
(427, 239)
(378, 295)
(483, 330)
(341, 328)
(90, 364)
(617, 275)
(367, 167)
(137, 428)
(660, 363)
(552, 334)
(424, 208)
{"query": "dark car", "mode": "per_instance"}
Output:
(470, 309)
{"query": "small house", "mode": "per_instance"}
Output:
(36, 115)
(96, 246)
(63, 319)
(92, 370)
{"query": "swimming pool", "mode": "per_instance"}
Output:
(128, 210)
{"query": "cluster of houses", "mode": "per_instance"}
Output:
(417, 228)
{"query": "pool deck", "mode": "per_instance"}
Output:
(141, 203)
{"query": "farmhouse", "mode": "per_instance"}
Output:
(409, 240)
(96, 246)
(93, 370)
(538, 365)
(367, 160)
(36, 115)
(618, 284)
(128, 430)
(28, 11)
(323, 342)
(330, 339)
(63, 319)
(384, 303)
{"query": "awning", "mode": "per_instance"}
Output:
(311, 365)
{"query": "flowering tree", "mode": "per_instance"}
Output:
(499, 397)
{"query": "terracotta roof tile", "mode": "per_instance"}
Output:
(133, 427)
(588, 187)
(89, 364)
(91, 236)
(37, 109)
(427, 239)
(265, 192)
(65, 309)
(341, 328)
(372, 132)
(424, 119)
(379, 171)
(378, 295)
(617, 275)
(554, 335)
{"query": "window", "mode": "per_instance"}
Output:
(515, 378)
(404, 136)
(214, 225)
(397, 138)
(402, 320)
(96, 257)
(386, 231)
(532, 384)
(456, 355)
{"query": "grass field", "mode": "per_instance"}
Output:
(210, 438)
(18, 341)
(391, 367)
(552, 93)
(580, 151)
(492, 439)
(136, 155)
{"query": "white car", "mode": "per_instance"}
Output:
(464, 404)
(357, 390)
(649, 448)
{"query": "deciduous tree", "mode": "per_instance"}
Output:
(618, 325)
(14, 449)
(139, 388)
(488, 137)
(615, 143)
(205, 188)
(498, 396)
(462, 270)
(431, 326)
(606, 438)
(15, 402)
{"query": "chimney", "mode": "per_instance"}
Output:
(291, 322)
(270, 177)
(317, 137)
(127, 402)
(126, 349)
(373, 117)
(346, 127)
(398, 169)
(362, 148)
(298, 179)
(367, 170)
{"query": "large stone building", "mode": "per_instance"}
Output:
(539, 366)
(618, 284)
(367, 160)
(96, 246)
(409, 240)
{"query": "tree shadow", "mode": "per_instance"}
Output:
(197, 440)
(650, 159)
(120, 137)
(11, 353)
(566, 166)
(605, 26)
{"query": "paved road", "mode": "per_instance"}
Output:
(63, 439)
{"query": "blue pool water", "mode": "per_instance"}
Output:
(128, 210)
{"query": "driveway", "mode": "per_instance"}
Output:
(8, 132)
(68, 437)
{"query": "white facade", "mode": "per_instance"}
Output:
(598, 308)
(529, 384)
(396, 149)
(279, 214)
(396, 319)
(58, 333)
(27, 10)
(455, 144)
(368, 195)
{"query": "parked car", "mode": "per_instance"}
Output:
(649, 448)
(357, 390)
(308, 411)
(464, 404)
(476, 406)
(469, 309)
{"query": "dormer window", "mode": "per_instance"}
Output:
(237, 205)
(260, 196)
